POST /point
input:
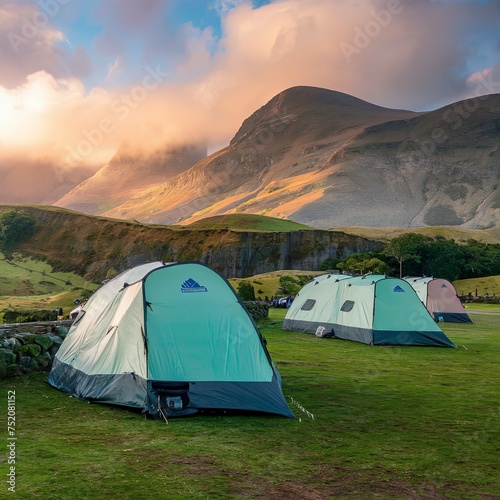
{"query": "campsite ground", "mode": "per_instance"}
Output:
(389, 422)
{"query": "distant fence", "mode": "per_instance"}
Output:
(480, 299)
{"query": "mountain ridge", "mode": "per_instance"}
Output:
(327, 159)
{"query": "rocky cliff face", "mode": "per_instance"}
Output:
(91, 246)
(256, 253)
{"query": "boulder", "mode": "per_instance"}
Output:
(44, 340)
(62, 331)
(13, 344)
(26, 364)
(44, 360)
(7, 355)
(56, 340)
(27, 338)
(31, 350)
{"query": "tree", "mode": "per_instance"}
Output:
(290, 285)
(362, 263)
(329, 263)
(15, 227)
(407, 247)
(444, 258)
(246, 290)
(481, 259)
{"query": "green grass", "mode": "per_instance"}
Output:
(477, 306)
(488, 284)
(247, 222)
(269, 282)
(389, 422)
(27, 283)
(459, 234)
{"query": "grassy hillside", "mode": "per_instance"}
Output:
(25, 276)
(389, 423)
(385, 234)
(91, 246)
(268, 283)
(29, 284)
(247, 222)
(490, 285)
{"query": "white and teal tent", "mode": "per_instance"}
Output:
(372, 309)
(441, 299)
(168, 338)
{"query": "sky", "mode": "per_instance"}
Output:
(80, 79)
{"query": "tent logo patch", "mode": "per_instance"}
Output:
(192, 286)
(398, 289)
(443, 286)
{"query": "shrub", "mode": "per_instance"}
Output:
(15, 227)
(28, 316)
(246, 290)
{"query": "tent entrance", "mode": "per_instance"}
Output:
(172, 399)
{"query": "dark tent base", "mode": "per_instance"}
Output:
(367, 336)
(130, 390)
(452, 317)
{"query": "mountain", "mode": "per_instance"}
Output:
(327, 159)
(274, 164)
(128, 173)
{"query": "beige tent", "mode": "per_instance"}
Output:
(441, 299)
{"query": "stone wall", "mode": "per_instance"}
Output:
(28, 347)
(257, 309)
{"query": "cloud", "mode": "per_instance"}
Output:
(29, 42)
(184, 84)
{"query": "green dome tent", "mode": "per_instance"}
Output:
(372, 309)
(170, 339)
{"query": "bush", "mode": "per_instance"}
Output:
(28, 316)
(246, 290)
(15, 227)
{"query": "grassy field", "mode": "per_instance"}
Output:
(458, 234)
(488, 284)
(26, 283)
(247, 222)
(267, 284)
(389, 423)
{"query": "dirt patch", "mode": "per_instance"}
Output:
(23, 288)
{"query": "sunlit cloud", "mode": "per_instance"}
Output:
(163, 83)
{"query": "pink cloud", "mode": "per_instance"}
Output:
(31, 43)
(398, 54)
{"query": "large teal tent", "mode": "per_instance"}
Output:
(372, 309)
(168, 338)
